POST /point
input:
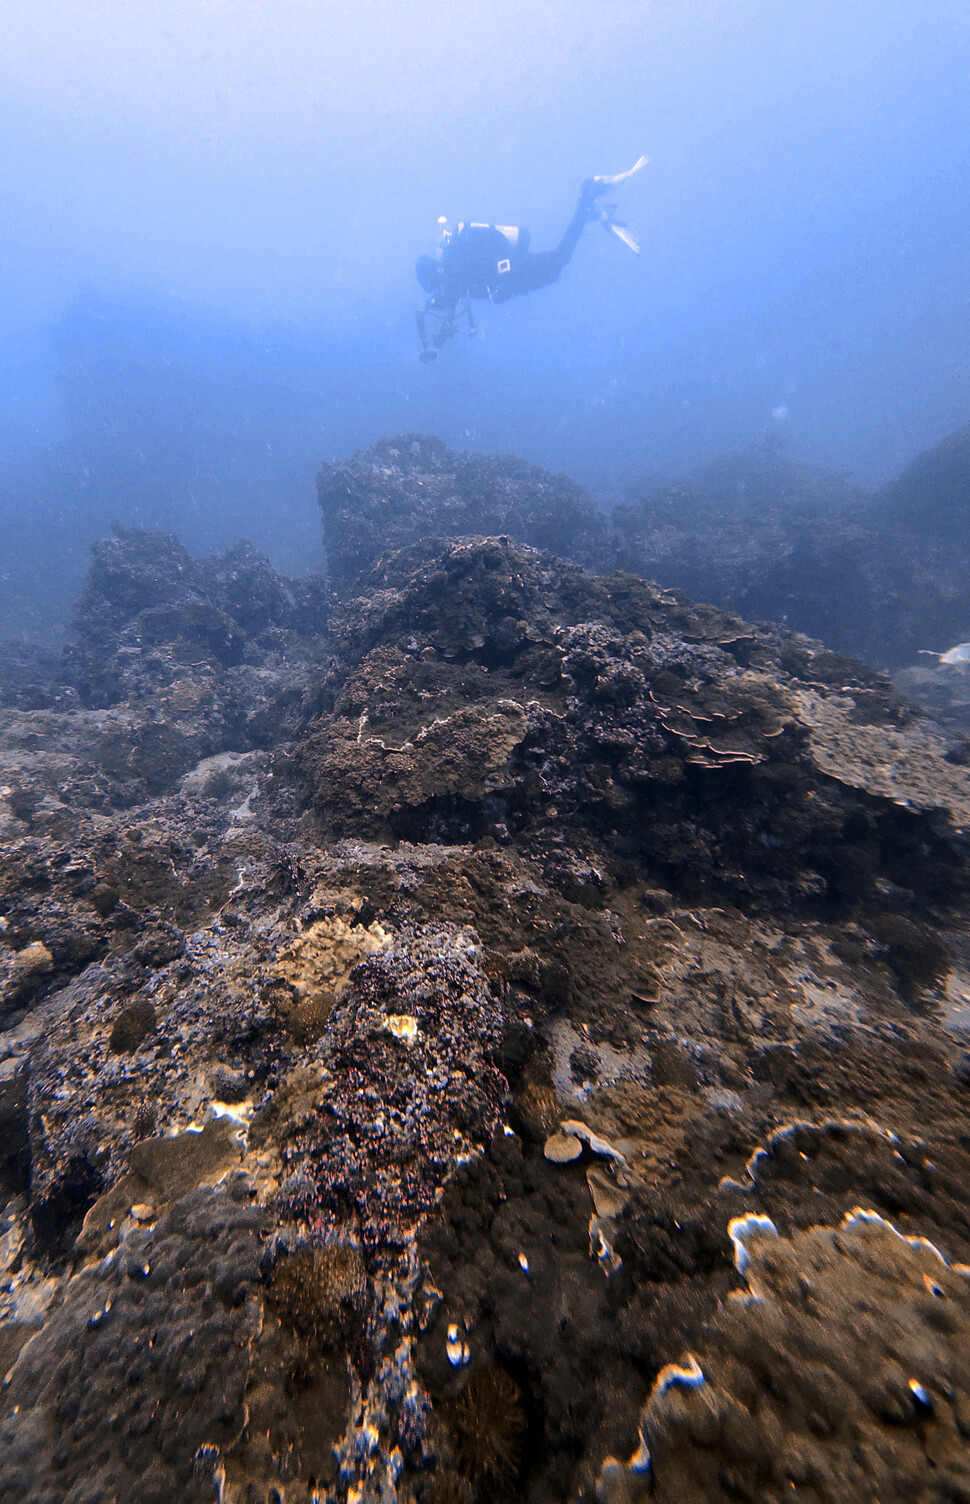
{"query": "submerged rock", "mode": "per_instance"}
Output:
(855, 1338)
(176, 661)
(502, 696)
(31, 678)
(882, 575)
(149, 613)
(412, 486)
(401, 1030)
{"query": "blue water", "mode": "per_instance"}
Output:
(211, 215)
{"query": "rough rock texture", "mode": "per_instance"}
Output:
(149, 611)
(30, 677)
(841, 1370)
(882, 575)
(600, 721)
(759, 535)
(216, 665)
(390, 1095)
(411, 487)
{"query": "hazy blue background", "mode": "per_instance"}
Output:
(211, 211)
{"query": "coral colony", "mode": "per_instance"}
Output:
(484, 1026)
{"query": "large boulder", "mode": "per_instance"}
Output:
(881, 575)
(410, 487)
(149, 612)
(498, 693)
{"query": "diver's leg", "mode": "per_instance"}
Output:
(541, 268)
(585, 211)
(432, 343)
(446, 329)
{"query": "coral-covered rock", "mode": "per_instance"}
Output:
(503, 696)
(394, 1026)
(841, 1369)
(413, 1086)
(411, 487)
(882, 575)
(183, 660)
(149, 614)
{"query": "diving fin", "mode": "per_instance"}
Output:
(621, 177)
(622, 233)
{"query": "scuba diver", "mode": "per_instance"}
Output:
(495, 262)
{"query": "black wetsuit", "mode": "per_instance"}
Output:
(490, 261)
(494, 262)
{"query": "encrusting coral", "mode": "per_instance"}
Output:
(410, 1003)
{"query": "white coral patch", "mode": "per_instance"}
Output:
(742, 1229)
(457, 1348)
(687, 1375)
(402, 1026)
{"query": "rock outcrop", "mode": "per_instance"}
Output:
(411, 487)
(454, 1074)
(881, 575)
(148, 611)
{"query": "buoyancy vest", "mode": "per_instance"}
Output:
(478, 257)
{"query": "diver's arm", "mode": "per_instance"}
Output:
(446, 330)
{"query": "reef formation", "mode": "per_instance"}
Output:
(480, 1028)
(882, 575)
